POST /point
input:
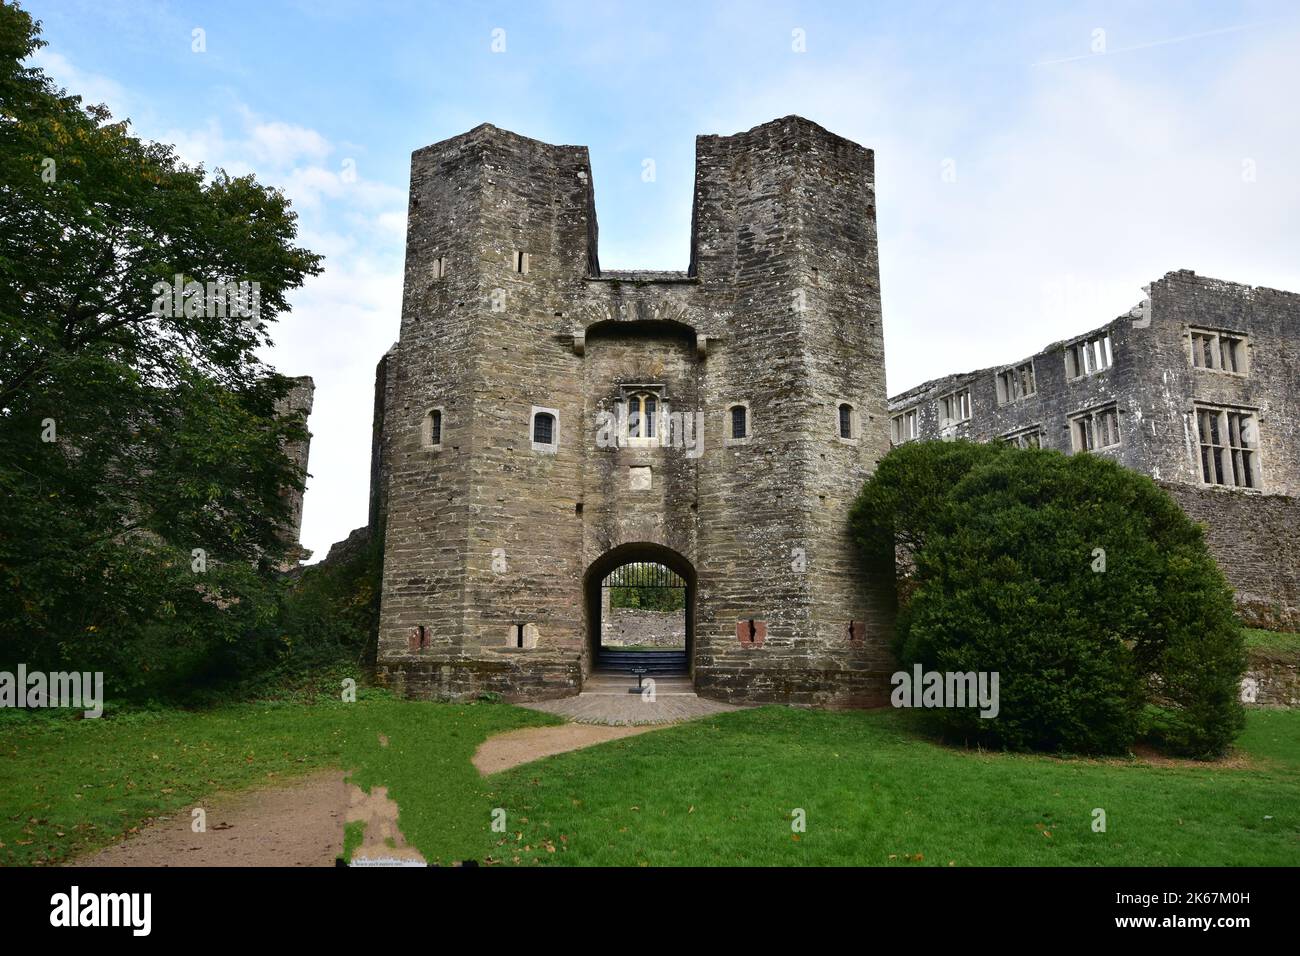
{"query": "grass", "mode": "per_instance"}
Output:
(69, 786)
(718, 791)
(1272, 642)
(724, 791)
(354, 834)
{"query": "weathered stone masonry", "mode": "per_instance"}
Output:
(1156, 391)
(493, 539)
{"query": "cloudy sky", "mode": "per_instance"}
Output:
(1036, 165)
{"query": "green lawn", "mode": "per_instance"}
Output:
(722, 791)
(67, 786)
(719, 791)
(1272, 642)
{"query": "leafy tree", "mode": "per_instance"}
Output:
(1081, 583)
(132, 432)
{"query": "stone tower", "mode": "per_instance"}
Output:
(519, 459)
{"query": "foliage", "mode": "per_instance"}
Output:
(648, 599)
(1079, 582)
(640, 594)
(132, 434)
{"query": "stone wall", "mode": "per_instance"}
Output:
(1271, 681)
(297, 402)
(506, 312)
(1256, 541)
(626, 626)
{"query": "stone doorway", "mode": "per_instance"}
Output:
(640, 611)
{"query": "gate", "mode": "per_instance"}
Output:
(647, 586)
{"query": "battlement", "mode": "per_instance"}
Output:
(754, 190)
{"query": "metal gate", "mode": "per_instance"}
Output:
(654, 587)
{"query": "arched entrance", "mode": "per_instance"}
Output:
(647, 577)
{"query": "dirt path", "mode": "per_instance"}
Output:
(296, 825)
(301, 823)
(533, 743)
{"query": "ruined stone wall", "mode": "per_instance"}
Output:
(1271, 681)
(780, 310)
(1256, 541)
(1270, 386)
(297, 402)
(626, 626)
(1156, 388)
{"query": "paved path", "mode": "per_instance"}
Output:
(606, 699)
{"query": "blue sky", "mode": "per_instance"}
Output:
(1036, 163)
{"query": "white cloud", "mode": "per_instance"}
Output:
(91, 87)
(1095, 178)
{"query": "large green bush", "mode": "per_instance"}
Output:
(1081, 583)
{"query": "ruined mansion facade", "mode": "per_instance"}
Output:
(542, 422)
(1198, 387)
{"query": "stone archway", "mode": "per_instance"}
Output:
(618, 557)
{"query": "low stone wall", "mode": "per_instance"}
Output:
(1256, 541)
(1271, 682)
(625, 626)
(458, 678)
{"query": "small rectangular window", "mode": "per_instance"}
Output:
(738, 423)
(544, 429)
(521, 261)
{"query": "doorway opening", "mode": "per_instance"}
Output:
(641, 601)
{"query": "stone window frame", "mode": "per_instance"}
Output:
(1248, 453)
(896, 423)
(520, 262)
(634, 390)
(542, 447)
(855, 425)
(426, 428)
(1086, 418)
(1097, 353)
(1218, 336)
(964, 404)
(439, 267)
(728, 438)
(522, 636)
(1009, 383)
(1019, 437)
